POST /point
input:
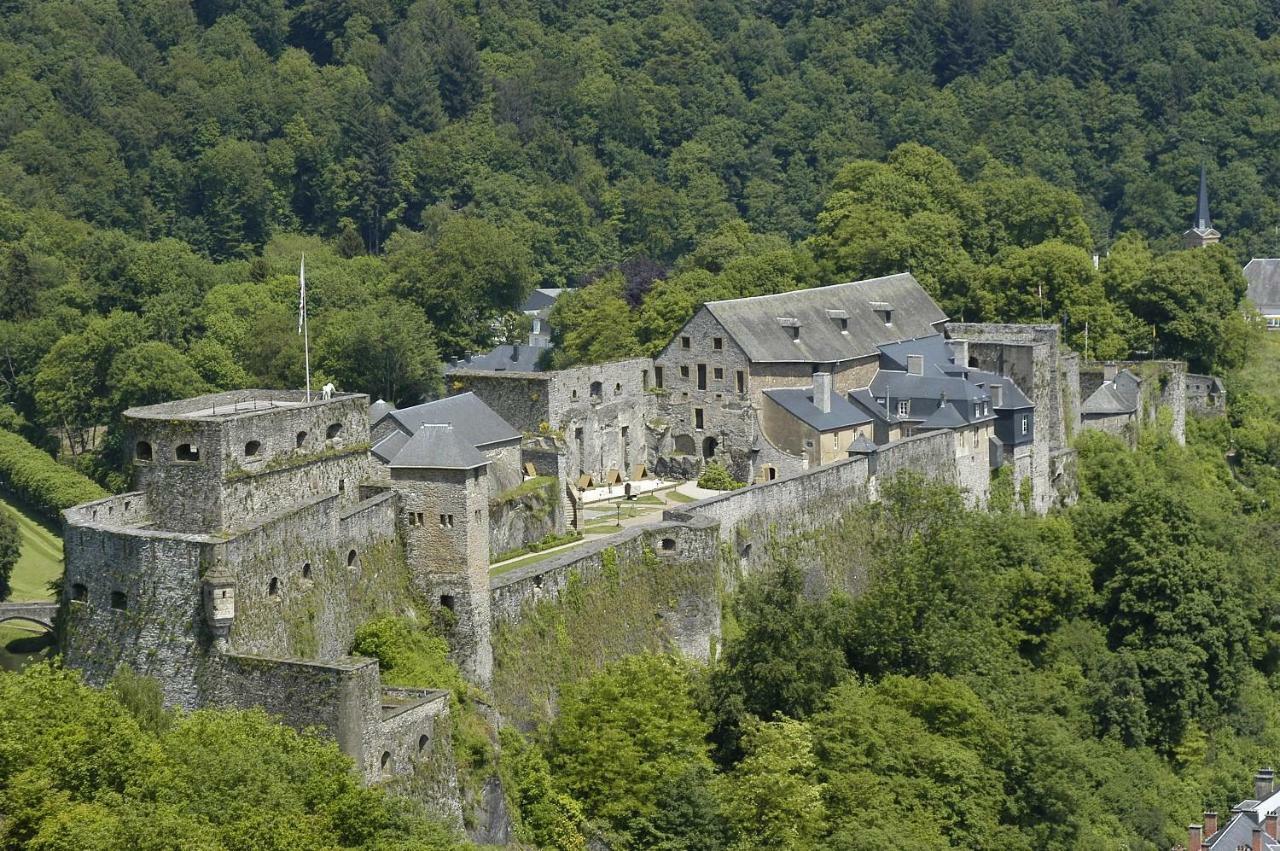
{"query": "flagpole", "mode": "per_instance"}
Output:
(302, 319)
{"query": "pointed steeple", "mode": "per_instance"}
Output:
(1201, 232)
(1202, 204)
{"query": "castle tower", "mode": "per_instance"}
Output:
(444, 515)
(1201, 232)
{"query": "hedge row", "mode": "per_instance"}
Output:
(41, 482)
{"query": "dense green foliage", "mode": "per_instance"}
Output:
(1087, 679)
(165, 165)
(86, 769)
(716, 477)
(10, 549)
(41, 482)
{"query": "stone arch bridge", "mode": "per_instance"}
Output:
(40, 614)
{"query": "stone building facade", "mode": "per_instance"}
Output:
(258, 539)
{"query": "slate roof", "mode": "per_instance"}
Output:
(438, 446)
(945, 417)
(378, 409)
(864, 400)
(517, 358)
(934, 384)
(1237, 832)
(861, 445)
(798, 401)
(1263, 275)
(466, 411)
(1013, 397)
(1110, 399)
(541, 300)
(933, 347)
(757, 323)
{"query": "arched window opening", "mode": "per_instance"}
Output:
(79, 593)
(422, 742)
(119, 600)
(251, 448)
(306, 570)
(446, 600)
(142, 451)
(300, 439)
(273, 587)
(597, 390)
(387, 767)
(333, 431)
(668, 544)
(187, 452)
(351, 558)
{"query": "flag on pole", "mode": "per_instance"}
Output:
(302, 293)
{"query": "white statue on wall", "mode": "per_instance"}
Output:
(326, 392)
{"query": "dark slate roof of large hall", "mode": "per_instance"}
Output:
(467, 412)
(1013, 397)
(754, 322)
(1109, 399)
(798, 401)
(506, 358)
(1263, 275)
(438, 446)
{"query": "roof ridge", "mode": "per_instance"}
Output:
(805, 289)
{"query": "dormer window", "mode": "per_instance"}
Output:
(840, 318)
(792, 324)
(883, 311)
(904, 407)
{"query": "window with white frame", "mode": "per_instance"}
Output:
(904, 407)
(1026, 423)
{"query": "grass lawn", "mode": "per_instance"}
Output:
(1263, 373)
(40, 561)
(676, 496)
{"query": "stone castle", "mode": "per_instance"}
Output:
(265, 527)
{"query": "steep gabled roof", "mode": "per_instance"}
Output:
(438, 447)
(1263, 275)
(467, 412)
(1110, 399)
(945, 417)
(798, 401)
(764, 325)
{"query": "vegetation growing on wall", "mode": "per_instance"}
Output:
(593, 620)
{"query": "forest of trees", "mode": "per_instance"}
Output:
(164, 165)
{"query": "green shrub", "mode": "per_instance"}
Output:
(408, 654)
(716, 478)
(40, 481)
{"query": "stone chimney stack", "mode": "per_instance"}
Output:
(915, 364)
(997, 395)
(1109, 371)
(959, 352)
(1272, 825)
(1193, 837)
(822, 391)
(1263, 784)
(1210, 822)
(515, 352)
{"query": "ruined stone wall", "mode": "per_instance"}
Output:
(1163, 393)
(520, 398)
(646, 589)
(505, 470)
(251, 494)
(606, 430)
(527, 513)
(1204, 397)
(415, 733)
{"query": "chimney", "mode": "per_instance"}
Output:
(1263, 784)
(515, 353)
(915, 364)
(1210, 823)
(959, 352)
(997, 395)
(1109, 371)
(1257, 839)
(1271, 826)
(1193, 838)
(822, 391)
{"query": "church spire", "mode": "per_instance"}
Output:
(1202, 204)
(1201, 232)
